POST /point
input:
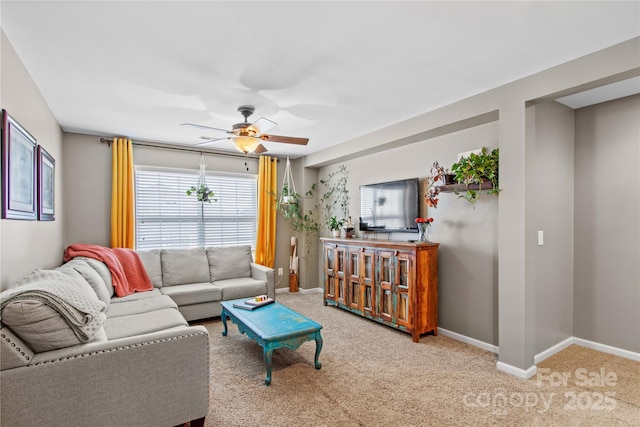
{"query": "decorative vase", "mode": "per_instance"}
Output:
(423, 231)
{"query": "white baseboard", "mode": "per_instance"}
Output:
(627, 354)
(552, 350)
(520, 373)
(468, 340)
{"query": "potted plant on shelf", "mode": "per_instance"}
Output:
(202, 192)
(475, 170)
(335, 225)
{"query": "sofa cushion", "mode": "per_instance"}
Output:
(241, 288)
(229, 262)
(154, 293)
(143, 323)
(183, 266)
(144, 305)
(38, 325)
(92, 278)
(44, 309)
(152, 263)
(102, 269)
(194, 293)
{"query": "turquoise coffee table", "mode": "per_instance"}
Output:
(273, 326)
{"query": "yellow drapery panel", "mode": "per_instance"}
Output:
(267, 189)
(122, 205)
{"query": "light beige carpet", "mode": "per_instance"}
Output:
(373, 375)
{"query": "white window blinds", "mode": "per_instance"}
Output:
(167, 218)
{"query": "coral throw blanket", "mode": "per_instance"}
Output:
(127, 271)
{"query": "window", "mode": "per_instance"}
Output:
(167, 218)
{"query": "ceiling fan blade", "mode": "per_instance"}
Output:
(209, 141)
(262, 125)
(204, 127)
(260, 149)
(285, 139)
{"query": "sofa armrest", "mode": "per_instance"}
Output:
(149, 380)
(260, 272)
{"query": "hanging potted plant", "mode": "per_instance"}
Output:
(202, 192)
(475, 170)
(289, 204)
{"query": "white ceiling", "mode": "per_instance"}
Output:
(603, 93)
(330, 71)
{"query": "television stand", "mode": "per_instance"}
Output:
(393, 283)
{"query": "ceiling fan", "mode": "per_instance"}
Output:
(247, 137)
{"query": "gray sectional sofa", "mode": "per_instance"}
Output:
(92, 358)
(199, 279)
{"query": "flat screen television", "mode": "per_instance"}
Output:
(390, 206)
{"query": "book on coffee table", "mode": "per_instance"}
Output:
(253, 303)
(259, 301)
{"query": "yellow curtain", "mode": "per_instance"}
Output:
(122, 207)
(267, 189)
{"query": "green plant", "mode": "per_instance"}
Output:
(334, 201)
(335, 224)
(202, 192)
(474, 170)
(290, 204)
(290, 207)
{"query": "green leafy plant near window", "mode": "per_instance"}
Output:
(335, 224)
(202, 192)
(476, 169)
(334, 202)
(289, 204)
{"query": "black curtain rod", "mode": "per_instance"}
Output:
(179, 148)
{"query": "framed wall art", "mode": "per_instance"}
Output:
(18, 171)
(46, 185)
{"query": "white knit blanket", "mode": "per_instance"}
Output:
(74, 301)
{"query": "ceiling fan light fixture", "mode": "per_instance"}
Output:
(246, 144)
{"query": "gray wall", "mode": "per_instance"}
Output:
(607, 218)
(468, 255)
(25, 245)
(87, 180)
(552, 190)
(518, 206)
